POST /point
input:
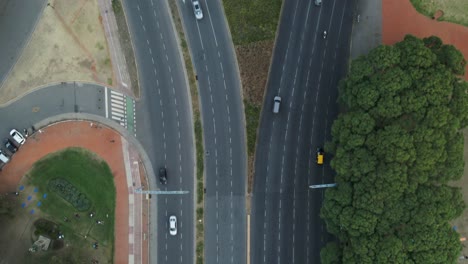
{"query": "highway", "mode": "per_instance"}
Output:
(223, 131)
(165, 126)
(286, 226)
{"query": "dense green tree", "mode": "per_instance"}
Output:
(395, 150)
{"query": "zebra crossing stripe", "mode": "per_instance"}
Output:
(118, 106)
(114, 92)
(119, 110)
(117, 97)
(117, 114)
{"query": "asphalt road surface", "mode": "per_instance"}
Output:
(18, 19)
(306, 68)
(223, 132)
(50, 101)
(165, 126)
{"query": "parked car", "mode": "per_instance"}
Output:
(173, 225)
(17, 136)
(197, 10)
(320, 156)
(4, 158)
(10, 146)
(162, 175)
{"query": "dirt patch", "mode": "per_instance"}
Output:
(438, 14)
(399, 18)
(68, 44)
(254, 63)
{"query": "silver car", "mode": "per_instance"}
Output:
(17, 136)
(173, 225)
(197, 10)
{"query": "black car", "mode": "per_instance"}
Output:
(10, 146)
(162, 175)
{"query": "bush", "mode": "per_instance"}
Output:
(70, 193)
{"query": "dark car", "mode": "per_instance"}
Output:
(162, 175)
(10, 146)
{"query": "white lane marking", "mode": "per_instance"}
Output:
(211, 23)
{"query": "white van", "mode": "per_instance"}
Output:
(3, 158)
(276, 104)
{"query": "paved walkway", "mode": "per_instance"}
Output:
(130, 235)
(400, 18)
(367, 28)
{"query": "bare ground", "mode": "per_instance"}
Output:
(68, 44)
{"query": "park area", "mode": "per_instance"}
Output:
(67, 203)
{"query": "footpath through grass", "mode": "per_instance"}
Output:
(455, 11)
(91, 179)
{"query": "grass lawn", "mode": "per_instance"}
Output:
(454, 10)
(90, 176)
(251, 21)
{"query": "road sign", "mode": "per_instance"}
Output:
(319, 186)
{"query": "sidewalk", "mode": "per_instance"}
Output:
(367, 28)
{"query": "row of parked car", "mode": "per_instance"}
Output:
(12, 144)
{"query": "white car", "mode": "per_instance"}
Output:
(17, 136)
(197, 10)
(172, 225)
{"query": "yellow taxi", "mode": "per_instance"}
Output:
(320, 156)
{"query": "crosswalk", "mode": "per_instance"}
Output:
(122, 110)
(118, 107)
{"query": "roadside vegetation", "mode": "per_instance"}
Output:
(396, 150)
(198, 130)
(449, 10)
(126, 44)
(75, 183)
(253, 27)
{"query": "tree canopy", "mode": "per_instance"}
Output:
(395, 149)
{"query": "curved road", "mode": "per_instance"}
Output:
(17, 22)
(223, 131)
(286, 227)
(165, 125)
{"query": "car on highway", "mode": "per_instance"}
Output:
(318, 2)
(197, 10)
(320, 156)
(173, 225)
(10, 146)
(162, 175)
(17, 136)
(276, 104)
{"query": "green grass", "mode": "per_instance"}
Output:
(252, 20)
(90, 176)
(252, 117)
(455, 11)
(117, 7)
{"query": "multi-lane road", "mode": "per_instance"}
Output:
(223, 132)
(306, 68)
(165, 126)
(286, 227)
